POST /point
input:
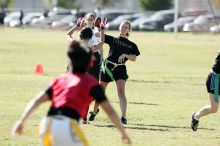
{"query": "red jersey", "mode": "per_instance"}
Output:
(73, 91)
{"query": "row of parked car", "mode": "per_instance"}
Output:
(148, 21)
(164, 21)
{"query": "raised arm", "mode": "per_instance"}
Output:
(79, 24)
(101, 42)
(97, 34)
(70, 32)
(29, 109)
(99, 23)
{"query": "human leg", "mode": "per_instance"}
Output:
(96, 105)
(122, 99)
(206, 110)
(85, 117)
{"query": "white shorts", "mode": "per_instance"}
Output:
(61, 131)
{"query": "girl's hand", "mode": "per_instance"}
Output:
(103, 23)
(101, 60)
(80, 23)
(100, 23)
(18, 128)
(126, 139)
(121, 59)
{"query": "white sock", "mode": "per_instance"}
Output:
(196, 117)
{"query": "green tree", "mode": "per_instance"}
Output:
(104, 3)
(154, 5)
(69, 4)
(6, 3)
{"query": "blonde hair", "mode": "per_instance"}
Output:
(90, 15)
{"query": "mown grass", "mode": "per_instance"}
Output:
(166, 84)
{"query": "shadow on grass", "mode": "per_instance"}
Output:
(144, 81)
(133, 127)
(169, 126)
(162, 128)
(141, 103)
(162, 82)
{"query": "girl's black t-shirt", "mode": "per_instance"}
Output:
(119, 46)
(216, 65)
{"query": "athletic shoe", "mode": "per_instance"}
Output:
(123, 120)
(194, 123)
(85, 122)
(92, 115)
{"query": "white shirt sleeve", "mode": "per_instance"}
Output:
(95, 40)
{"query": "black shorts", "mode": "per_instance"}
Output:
(95, 70)
(119, 72)
(210, 83)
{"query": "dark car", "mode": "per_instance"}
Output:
(111, 15)
(113, 25)
(136, 22)
(157, 21)
(2, 16)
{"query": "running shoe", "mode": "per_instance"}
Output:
(194, 123)
(92, 115)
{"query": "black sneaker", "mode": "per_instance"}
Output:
(123, 120)
(92, 115)
(85, 121)
(194, 123)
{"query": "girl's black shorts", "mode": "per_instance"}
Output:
(119, 72)
(210, 83)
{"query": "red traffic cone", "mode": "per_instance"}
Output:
(39, 69)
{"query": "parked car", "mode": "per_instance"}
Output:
(111, 15)
(30, 16)
(113, 25)
(64, 23)
(215, 29)
(59, 11)
(157, 21)
(136, 22)
(2, 16)
(12, 19)
(201, 23)
(45, 22)
(180, 23)
(55, 15)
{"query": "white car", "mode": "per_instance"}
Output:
(180, 23)
(215, 29)
(30, 16)
(12, 19)
(201, 23)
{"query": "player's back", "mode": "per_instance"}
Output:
(73, 91)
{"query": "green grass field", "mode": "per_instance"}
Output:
(166, 84)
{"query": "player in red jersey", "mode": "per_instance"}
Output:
(88, 34)
(70, 95)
